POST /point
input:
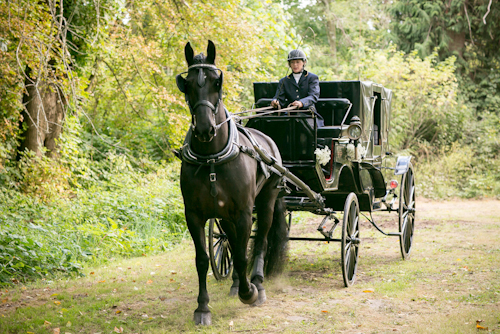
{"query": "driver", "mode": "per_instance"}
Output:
(300, 88)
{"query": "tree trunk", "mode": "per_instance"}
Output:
(331, 29)
(45, 107)
(457, 42)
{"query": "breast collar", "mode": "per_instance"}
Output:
(228, 153)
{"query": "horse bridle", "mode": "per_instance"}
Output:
(181, 84)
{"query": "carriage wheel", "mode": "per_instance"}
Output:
(350, 239)
(407, 212)
(221, 258)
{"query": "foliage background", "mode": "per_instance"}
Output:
(113, 189)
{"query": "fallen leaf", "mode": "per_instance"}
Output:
(57, 302)
(152, 273)
(149, 281)
(102, 281)
(46, 323)
(459, 260)
(173, 272)
(118, 330)
(144, 315)
(324, 311)
(231, 324)
(23, 288)
(5, 300)
(54, 294)
(172, 280)
(118, 312)
(68, 324)
(368, 291)
(478, 326)
(56, 331)
(92, 273)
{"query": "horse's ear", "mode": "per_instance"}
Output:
(211, 52)
(189, 53)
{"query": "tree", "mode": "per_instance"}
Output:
(42, 43)
(464, 28)
(339, 27)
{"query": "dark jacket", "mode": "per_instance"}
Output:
(306, 91)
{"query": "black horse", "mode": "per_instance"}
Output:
(222, 177)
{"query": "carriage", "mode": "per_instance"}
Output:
(336, 167)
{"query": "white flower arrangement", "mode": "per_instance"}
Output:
(323, 155)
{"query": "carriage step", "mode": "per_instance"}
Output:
(322, 226)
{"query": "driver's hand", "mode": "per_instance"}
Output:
(275, 104)
(297, 103)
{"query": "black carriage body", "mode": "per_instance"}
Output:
(297, 140)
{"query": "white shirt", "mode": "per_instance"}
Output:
(297, 76)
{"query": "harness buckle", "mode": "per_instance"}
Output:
(213, 177)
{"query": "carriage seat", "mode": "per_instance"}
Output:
(263, 102)
(331, 109)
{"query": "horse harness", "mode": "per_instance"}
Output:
(181, 84)
(227, 154)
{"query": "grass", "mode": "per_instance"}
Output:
(451, 281)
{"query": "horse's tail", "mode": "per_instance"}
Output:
(277, 241)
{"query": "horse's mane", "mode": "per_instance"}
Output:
(199, 59)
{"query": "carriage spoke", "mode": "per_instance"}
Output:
(217, 242)
(347, 245)
(218, 235)
(347, 259)
(355, 226)
(218, 225)
(353, 263)
(223, 264)
(218, 251)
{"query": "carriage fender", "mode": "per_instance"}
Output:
(346, 173)
(402, 165)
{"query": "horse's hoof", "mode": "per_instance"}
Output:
(202, 318)
(261, 298)
(253, 297)
(234, 291)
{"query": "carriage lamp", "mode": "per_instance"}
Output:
(393, 184)
(354, 130)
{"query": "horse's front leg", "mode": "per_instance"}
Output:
(238, 235)
(236, 283)
(196, 225)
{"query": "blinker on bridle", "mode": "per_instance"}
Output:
(181, 84)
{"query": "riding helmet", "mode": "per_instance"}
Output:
(297, 54)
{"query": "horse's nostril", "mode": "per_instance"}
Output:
(212, 130)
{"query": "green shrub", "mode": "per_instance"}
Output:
(125, 213)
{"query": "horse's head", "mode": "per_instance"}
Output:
(203, 89)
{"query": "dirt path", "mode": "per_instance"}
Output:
(451, 281)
